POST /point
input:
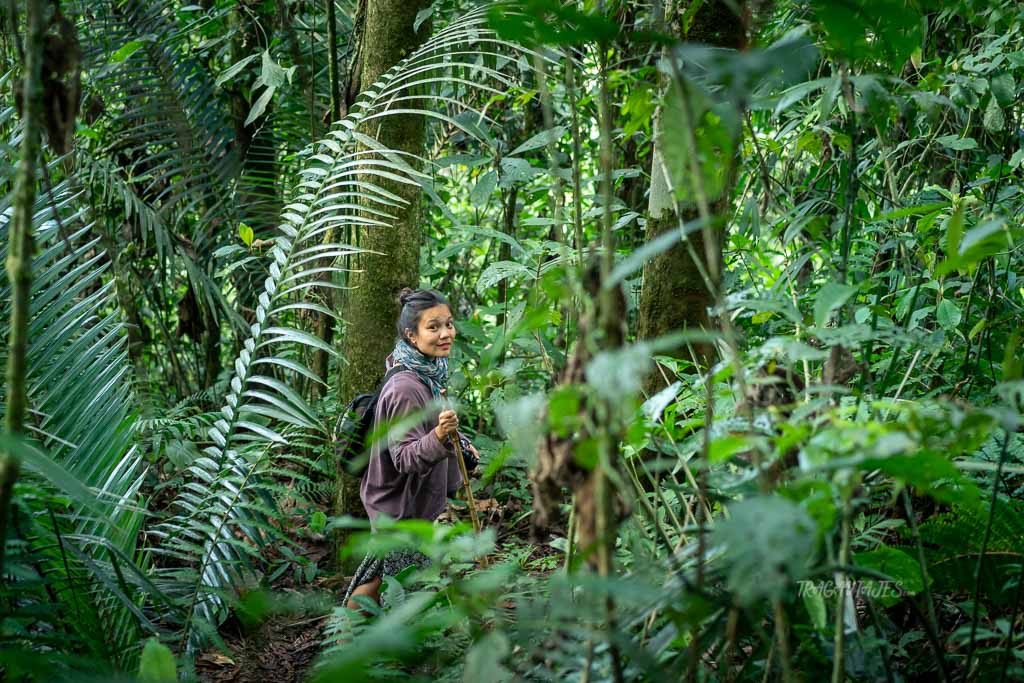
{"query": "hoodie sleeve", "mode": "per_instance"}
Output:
(418, 449)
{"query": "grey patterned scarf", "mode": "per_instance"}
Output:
(433, 371)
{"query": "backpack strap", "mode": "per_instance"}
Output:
(395, 369)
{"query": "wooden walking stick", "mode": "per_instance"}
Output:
(457, 443)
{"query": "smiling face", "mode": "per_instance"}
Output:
(435, 333)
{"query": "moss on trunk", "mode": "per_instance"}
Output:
(19, 257)
(675, 295)
(372, 306)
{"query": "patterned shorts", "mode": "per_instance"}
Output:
(392, 564)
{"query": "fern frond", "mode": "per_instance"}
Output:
(335, 189)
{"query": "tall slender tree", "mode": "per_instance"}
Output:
(19, 255)
(675, 294)
(387, 34)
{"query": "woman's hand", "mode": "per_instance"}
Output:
(447, 425)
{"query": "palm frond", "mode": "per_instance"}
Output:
(163, 121)
(218, 524)
(80, 416)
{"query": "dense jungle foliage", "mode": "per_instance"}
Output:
(736, 289)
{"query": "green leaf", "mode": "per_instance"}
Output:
(422, 16)
(831, 296)
(954, 232)
(955, 142)
(235, 69)
(1003, 89)
(724, 447)
(484, 660)
(516, 170)
(260, 105)
(246, 233)
(871, 29)
(1013, 363)
(126, 51)
(156, 665)
(709, 147)
(272, 75)
(481, 192)
(498, 271)
(994, 119)
(904, 570)
(540, 139)
(318, 522)
(814, 601)
(948, 314)
(930, 472)
(46, 467)
(1017, 158)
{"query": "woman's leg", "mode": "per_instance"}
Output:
(370, 588)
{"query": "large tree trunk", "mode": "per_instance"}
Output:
(675, 295)
(371, 308)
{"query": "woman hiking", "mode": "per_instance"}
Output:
(412, 474)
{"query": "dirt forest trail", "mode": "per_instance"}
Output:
(287, 634)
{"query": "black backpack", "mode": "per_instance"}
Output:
(354, 424)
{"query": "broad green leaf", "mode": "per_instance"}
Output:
(156, 665)
(235, 69)
(904, 570)
(929, 472)
(515, 170)
(126, 51)
(484, 661)
(994, 119)
(540, 139)
(814, 602)
(496, 272)
(260, 105)
(485, 185)
(1003, 89)
(709, 147)
(947, 313)
(724, 447)
(955, 142)
(272, 75)
(1017, 158)
(246, 233)
(831, 296)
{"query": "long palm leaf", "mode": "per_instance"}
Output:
(218, 524)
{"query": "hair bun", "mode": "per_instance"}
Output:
(406, 294)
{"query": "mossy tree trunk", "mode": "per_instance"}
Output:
(19, 256)
(371, 307)
(675, 295)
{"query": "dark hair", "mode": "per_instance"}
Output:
(414, 302)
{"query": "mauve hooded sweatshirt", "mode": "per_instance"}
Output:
(411, 473)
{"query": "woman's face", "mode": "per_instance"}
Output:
(435, 333)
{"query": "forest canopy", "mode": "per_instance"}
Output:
(738, 337)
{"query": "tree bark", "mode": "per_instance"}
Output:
(674, 295)
(371, 307)
(19, 258)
